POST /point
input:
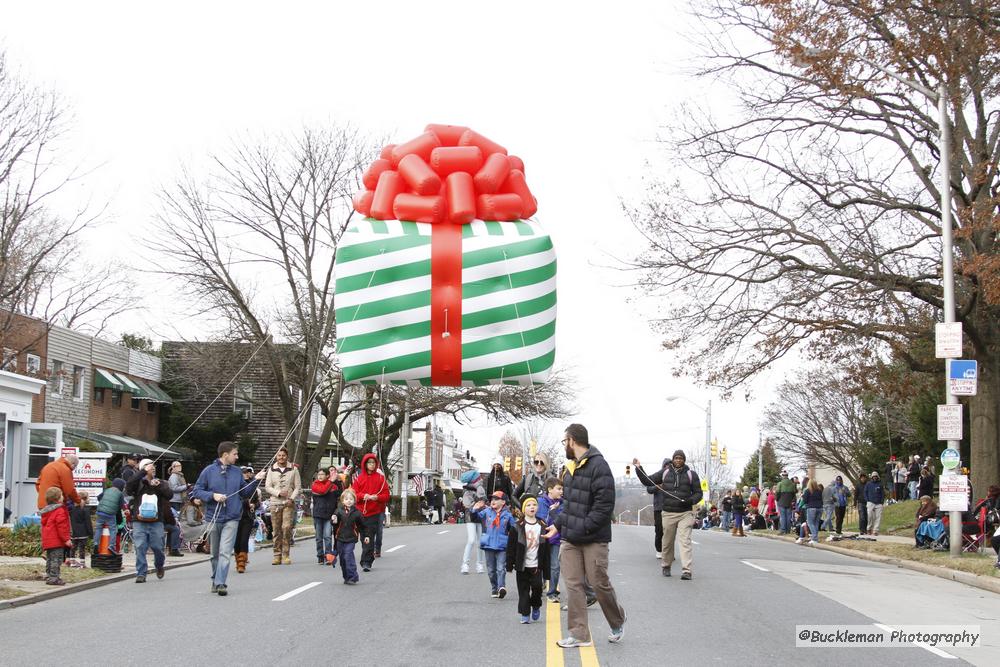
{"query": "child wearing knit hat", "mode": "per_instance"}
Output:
(528, 553)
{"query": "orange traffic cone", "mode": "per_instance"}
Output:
(104, 543)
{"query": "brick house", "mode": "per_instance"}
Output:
(24, 350)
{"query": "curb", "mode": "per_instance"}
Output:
(69, 589)
(967, 578)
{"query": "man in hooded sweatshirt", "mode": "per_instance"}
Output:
(681, 490)
(372, 492)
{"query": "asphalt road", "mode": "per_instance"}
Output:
(415, 608)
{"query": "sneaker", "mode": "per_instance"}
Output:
(525, 620)
(140, 580)
(829, 538)
(494, 594)
(591, 601)
(536, 613)
(465, 568)
(285, 560)
(572, 642)
(659, 555)
(565, 607)
(378, 554)
(160, 572)
(685, 576)
(55, 582)
(502, 593)
(480, 569)
(350, 582)
(215, 589)
(320, 560)
(666, 571)
(552, 598)
(222, 590)
(365, 568)
(619, 632)
(174, 553)
(799, 541)
(813, 543)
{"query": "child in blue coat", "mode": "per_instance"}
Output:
(497, 520)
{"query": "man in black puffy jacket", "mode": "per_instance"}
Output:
(585, 529)
(681, 490)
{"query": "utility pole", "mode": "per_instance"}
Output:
(708, 452)
(760, 462)
(404, 487)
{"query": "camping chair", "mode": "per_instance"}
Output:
(974, 532)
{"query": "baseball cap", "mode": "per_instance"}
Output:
(499, 495)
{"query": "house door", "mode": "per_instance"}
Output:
(29, 461)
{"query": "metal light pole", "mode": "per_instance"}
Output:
(638, 515)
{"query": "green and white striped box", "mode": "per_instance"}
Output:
(383, 303)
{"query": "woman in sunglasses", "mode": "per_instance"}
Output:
(533, 484)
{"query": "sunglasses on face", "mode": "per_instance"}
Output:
(539, 463)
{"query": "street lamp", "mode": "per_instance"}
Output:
(622, 514)
(708, 441)
(947, 268)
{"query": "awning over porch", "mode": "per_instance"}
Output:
(107, 380)
(120, 444)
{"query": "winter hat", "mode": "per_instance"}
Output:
(143, 463)
(528, 499)
(470, 476)
(680, 453)
(118, 483)
(497, 462)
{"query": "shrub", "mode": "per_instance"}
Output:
(26, 541)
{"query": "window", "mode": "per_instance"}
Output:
(150, 407)
(135, 403)
(116, 398)
(58, 379)
(33, 364)
(242, 400)
(98, 395)
(9, 362)
(78, 382)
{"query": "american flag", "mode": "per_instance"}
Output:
(418, 484)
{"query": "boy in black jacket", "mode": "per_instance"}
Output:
(528, 553)
(346, 528)
(81, 528)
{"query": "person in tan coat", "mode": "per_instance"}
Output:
(283, 484)
(58, 473)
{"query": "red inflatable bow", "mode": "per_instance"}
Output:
(447, 174)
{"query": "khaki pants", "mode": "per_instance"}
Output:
(587, 562)
(677, 524)
(282, 522)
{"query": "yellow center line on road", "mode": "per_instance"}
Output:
(588, 654)
(553, 628)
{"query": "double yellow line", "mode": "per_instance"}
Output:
(553, 632)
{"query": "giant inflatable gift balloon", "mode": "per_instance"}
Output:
(446, 281)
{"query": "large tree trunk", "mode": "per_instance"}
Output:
(984, 417)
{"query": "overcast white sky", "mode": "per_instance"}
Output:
(580, 94)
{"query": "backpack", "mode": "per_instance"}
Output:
(149, 508)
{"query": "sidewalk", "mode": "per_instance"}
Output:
(988, 582)
(30, 590)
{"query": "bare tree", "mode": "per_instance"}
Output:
(43, 273)
(262, 228)
(810, 218)
(816, 421)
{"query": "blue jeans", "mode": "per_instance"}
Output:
(812, 518)
(727, 519)
(173, 537)
(473, 533)
(827, 517)
(913, 489)
(221, 538)
(496, 566)
(787, 518)
(106, 521)
(553, 569)
(147, 536)
(348, 568)
(324, 538)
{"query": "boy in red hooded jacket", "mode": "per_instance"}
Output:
(55, 534)
(372, 492)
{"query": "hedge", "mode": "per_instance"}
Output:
(26, 541)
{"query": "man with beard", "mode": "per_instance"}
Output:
(585, 529)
